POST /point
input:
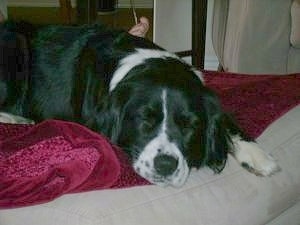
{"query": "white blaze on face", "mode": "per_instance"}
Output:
(160, 144)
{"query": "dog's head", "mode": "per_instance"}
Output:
(167, 121)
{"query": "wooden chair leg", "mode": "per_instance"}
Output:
(199, 14)
(65, 11)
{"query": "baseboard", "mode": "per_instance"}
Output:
(211, 62)
(55, 3)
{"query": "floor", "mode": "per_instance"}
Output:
(121, 18)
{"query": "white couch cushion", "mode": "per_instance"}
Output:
(233, 197)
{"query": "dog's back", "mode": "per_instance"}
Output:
(38, 66)
(145, 99)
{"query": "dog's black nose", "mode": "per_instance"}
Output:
(165, 165)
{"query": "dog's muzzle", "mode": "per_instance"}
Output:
(165, 165)
(162, 167)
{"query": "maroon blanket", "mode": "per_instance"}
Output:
(42, 162)
(256, 100)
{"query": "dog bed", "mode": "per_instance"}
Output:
(85, 161)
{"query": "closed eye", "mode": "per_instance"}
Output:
(147, 124)
(148, 119)
(187, 121)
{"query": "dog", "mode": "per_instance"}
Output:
(145, 99)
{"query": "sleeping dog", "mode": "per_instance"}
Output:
(145, 99)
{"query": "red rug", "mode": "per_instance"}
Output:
(42, 162)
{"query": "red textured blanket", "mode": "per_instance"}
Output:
(42, 162)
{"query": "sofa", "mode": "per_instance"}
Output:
(233, 197)
(254, 36)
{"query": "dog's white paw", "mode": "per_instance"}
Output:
(254, 159)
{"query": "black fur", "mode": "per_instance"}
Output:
(64, 72)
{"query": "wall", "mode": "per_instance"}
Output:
(211, 60)
(173, 26)
(172, 23)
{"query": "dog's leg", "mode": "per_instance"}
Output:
(253, 158)
(10, 118)
(87, 88)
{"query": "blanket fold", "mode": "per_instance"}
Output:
(39, 163)
(255, 100)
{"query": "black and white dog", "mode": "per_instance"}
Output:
(145, 99)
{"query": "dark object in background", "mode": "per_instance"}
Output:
(106, 5)
(86, 11)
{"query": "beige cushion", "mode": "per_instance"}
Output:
(234, 197)
(257, 37)
(295, 26)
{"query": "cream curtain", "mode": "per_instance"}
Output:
(3, 8)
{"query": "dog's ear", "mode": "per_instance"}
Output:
(217, 141)
(111, 114)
